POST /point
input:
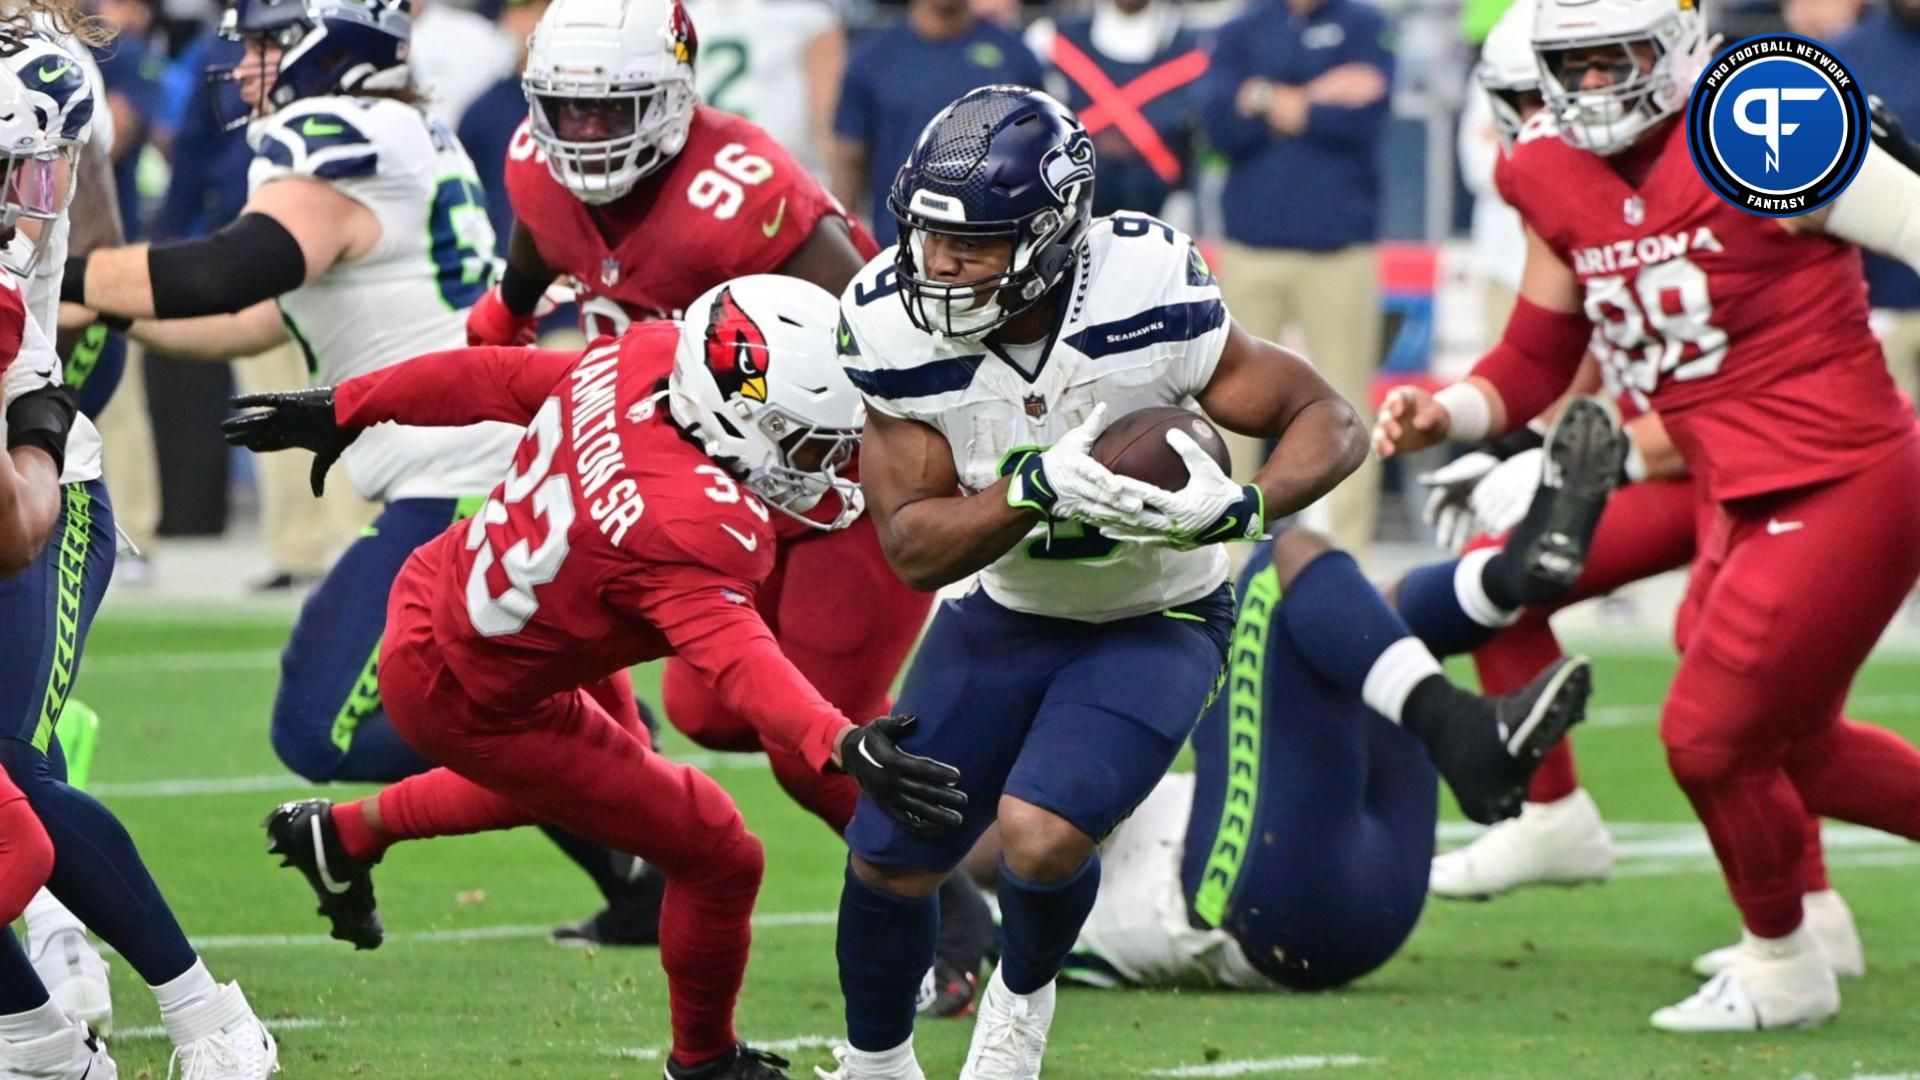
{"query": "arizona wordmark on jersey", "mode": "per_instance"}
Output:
(1142, 325)
(405, 297)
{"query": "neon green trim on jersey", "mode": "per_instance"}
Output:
(1246, 668)
(1188, 616)
(468, 505)
(72, 555)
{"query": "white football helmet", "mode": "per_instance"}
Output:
(609, 85)
(36, 174)
(1508, 70)
(1658, 48)
(758, 383)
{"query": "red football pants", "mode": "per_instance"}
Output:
(1646, 529)
(26, 854)
(567, 761)
(1789, 593)
(847, 622)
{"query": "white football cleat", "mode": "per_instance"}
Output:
(1009, 1033)
(219, 1038)
(1832, 924)
(1777, 983)
(1563, 842)
(72, 1053)
(74, 974)
(895, 1064)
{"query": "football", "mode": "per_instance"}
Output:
(1136, 445)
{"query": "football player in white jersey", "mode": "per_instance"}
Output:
(776, 62)
(48, 607)
(1008, 319)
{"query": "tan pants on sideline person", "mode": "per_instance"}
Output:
(131, 465)
(302, 533)
(1333, 300)
(1900, 338)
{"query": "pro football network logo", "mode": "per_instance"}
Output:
(1777, 125)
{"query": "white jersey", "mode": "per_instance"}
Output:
(64, 84)
(408, 295)
(753, 64)
(1143, 325)
(1139, 924)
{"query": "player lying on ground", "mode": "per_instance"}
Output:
(1009, 318)
(645, 198)
(630, 527)
(1808, 532)
(1295, 855)
(48, 606)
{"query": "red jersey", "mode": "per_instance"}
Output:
(13, 321)
(731, 203)
(613, 541)
(1749, 340)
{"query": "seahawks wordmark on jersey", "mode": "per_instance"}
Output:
(405, 297)
(1141, 324)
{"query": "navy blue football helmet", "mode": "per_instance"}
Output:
(328, 46)
(1007, 162)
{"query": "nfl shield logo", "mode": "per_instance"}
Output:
(1035, 406)
(609, 272)
(1635, 211)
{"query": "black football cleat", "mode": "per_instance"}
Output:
(631, 918)
(1583, 453)
(948, 991)
(741, 1063)
(303, 835)
(1487, 748)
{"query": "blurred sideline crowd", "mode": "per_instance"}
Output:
(1336, 155)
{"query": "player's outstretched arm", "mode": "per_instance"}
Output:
(1537, 356)
(214, 337)
(457, 387)
(1263, 391)
(290, 232)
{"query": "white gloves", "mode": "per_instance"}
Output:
(1064, 481)
(1502, 498)
(1209, 510)
(1447, 508)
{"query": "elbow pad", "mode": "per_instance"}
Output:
(1880, 210)
(1535, 359)
(251, 260)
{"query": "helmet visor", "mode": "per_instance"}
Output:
(589, 121)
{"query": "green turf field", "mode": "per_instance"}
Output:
(1546, 984)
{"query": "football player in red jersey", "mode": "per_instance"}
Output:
(645, 198)
(631, 527)
(1749, 336)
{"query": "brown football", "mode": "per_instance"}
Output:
(1136, 445)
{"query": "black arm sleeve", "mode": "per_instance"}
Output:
(42, 419)
(251, 260)
(527, 275)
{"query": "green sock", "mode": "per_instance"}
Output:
(79, 732)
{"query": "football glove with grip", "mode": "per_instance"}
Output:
(1211, 509)
(491, 322)
(918, 792)
(292, 418)
(1890, 135)
(1448, 507)
(1065, 482)
(1502, 497)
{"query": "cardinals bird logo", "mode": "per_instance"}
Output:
(680, 32)
(736, 350)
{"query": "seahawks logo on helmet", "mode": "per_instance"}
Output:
(736, 350)
(1068, 165)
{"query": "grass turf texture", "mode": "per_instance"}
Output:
(1544, 982)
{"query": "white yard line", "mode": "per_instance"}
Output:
(771, 920)
(1264, 1066)
(1611, 716)
(286, 781)
(206, 660)
(274, 1023)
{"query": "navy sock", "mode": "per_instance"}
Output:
(885, 946)
(97, 872)
(20, 988)
(1040, 923)
(1338, 620)
(1431, 607)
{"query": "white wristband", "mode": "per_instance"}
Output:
(1468, 413)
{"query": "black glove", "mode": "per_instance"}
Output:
(42, 418)
(915, 791)
(1890, 136)
(302, 418)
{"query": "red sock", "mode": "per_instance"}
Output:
(356, 835)
(1859, 773)
(706, 931)
(1510, 661)
(26, 854)
(1813, 858)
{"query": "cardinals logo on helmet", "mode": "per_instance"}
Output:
(686, 43)
(736, 350)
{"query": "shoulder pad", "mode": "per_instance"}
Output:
(55, 82)
(317, 139)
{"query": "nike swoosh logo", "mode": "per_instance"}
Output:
(320, 860)
(49, 76)
(751, 543)
(315, 128)
(1775, 526)
(768, 229)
